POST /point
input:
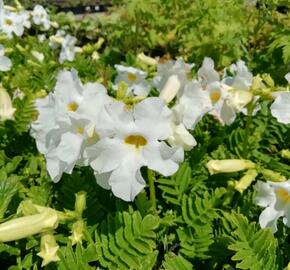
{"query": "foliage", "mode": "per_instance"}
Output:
(201, 221)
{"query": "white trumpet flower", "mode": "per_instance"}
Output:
(178, 68)
(40, 17)
(134, 78)
(138, 141)
(280, 108)
(5, 62)
(275, 198)
(6, 109)
(70, 118)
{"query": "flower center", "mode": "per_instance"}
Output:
(215, 96)
(131, 77)
(283, 195)
(80, 130)
(8, 22)
(136, 140)
(72, 107)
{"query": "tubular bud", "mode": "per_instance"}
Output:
(48, 249)
(29, 225)
(170, 89)
(273, 176)
(229, 165)
(246, 180)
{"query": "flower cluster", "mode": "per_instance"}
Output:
(82, 125)
(13, 21)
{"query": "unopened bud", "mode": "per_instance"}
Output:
(170, 89)
(80, 203)
(48, 249)
(26, 226)
(285, 153)
(77, 232)
(180, 136)
(147, 59)
(229, 165)
(246, 181)
(6, 109)
(273, 176)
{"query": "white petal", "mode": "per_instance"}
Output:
(106, 155)
(269, 217)
(126, 181)
(162, 158)
(265, 194)
(287, 77)
(103, 179)
(193, 104)
(5, 63)
(280, 108)
(152, 116)
(69, 148)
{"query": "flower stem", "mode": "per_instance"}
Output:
(251, 107)
(151, 180)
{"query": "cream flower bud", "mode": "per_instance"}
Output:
(80, 203)
(240, 98)
(38, 55)
(273, 176)
(77, 232)
(6, 109)
(229, 165)
(246, 180)
(181, 137)
(48, 249)
(285, 153)
(29, 225)
(170, 89)
(147, 59)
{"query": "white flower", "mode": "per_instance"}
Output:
(280, 108)
(40, 17)
(56, 40)
(5, 62)
(166, 70)
(137, 141)
(6, 109)
(67, 49)
(242, 78)
(207, 74)
(25, 17)
(275, 197)
(10, 23)
(181, 137)
(134, 78)
(68, 121)
(192, 105)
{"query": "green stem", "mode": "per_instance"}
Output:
(151, 180)
(251, 107)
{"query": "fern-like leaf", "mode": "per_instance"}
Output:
(127, 241)
(173, 262)
(255, 249)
